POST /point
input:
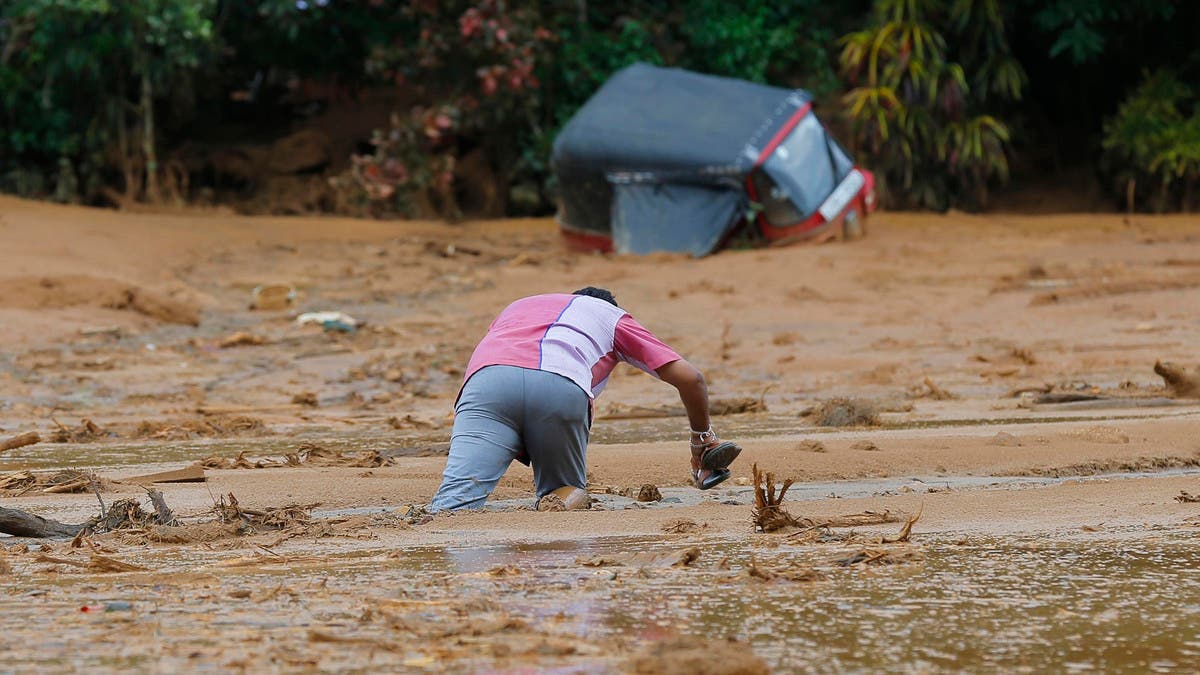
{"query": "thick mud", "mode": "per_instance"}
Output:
(995, 375)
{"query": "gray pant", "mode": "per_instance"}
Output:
(507, 413)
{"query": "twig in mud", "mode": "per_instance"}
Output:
(937, 393)
(162, 512)
(879, 557)
(96, 490)
(906, 531)
(96, 563)
(851, 519)
(797, 573)
(20, 441)
(768, 515)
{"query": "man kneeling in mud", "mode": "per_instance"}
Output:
(528, 396)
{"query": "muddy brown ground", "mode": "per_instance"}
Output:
(96, 308)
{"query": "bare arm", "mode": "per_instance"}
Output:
(693, 391)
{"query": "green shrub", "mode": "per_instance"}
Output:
(1152, 144)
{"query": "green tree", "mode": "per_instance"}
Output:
(1153, 141)
(81, 80)
(924, 113)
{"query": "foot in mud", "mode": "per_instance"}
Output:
(1181, 383)
(566, 498)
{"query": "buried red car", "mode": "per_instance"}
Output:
(662, 159)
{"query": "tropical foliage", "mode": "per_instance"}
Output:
(1154, 142)
(927, 114)
(79, 85)
(943, 98)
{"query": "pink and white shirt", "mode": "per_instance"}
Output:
(577, 336)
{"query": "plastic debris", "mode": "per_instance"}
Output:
(339, 321)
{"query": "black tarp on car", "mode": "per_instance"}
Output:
(657, 158)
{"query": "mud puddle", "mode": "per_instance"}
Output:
(1026, 604)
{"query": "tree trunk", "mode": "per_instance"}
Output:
(133, 181)
(148, 151)
(21, 524)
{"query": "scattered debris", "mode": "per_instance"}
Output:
(272, 296)
(796, 573)
(306, 398)
(1024, 355)
(1033, 389)
(19, 523)
(20, 441)
(1181, 383)
(330, 321)
(1185, 497)
(768, 515)
(307, 454)
(821, 534)
(880, 557)
(166, 309)
(95, 563)
(643, 559)
(237, 425)
(851, 520)
(1138, 465)
(736, 406)
(241, 339)
(410, 421)
(239, 462)
(86, 432)
(928, 389)
(682, 526)
(905, 531)
(67, 481)
(810, 445)
(845, 412)
(123, 514)
(162, 512)
(646, 493)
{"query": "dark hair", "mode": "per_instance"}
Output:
(600, 293)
